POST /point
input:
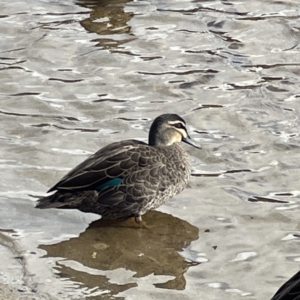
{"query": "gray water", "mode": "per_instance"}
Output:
(76, 76)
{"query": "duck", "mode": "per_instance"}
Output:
(290, 290)
(126, 179)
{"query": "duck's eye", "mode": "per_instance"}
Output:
(179, 125)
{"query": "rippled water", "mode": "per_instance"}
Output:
(76, 76)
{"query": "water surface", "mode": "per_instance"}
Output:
(77, 75)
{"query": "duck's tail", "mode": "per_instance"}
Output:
(56, 200)
(67, 199)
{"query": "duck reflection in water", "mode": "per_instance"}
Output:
(109, 20)
(128, 178)
(109, 251)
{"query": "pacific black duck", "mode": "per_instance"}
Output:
(126, 179)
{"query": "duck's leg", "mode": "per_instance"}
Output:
(141, 223)
(138, 219)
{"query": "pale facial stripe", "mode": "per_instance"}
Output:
(176, 122)
(181, 130)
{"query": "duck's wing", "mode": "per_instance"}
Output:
(105, 167)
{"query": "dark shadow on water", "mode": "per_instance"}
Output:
(107, 18)
(108, 245)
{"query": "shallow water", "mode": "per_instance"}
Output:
(76, 76)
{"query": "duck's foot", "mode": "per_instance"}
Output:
(140, 222)
(138, 219)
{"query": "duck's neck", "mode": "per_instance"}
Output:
(163, 139)
(156, 142)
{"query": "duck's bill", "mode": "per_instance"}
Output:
(189, 141)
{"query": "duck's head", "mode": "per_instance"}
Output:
(168, 129)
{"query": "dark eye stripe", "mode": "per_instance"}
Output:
(179, 125)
